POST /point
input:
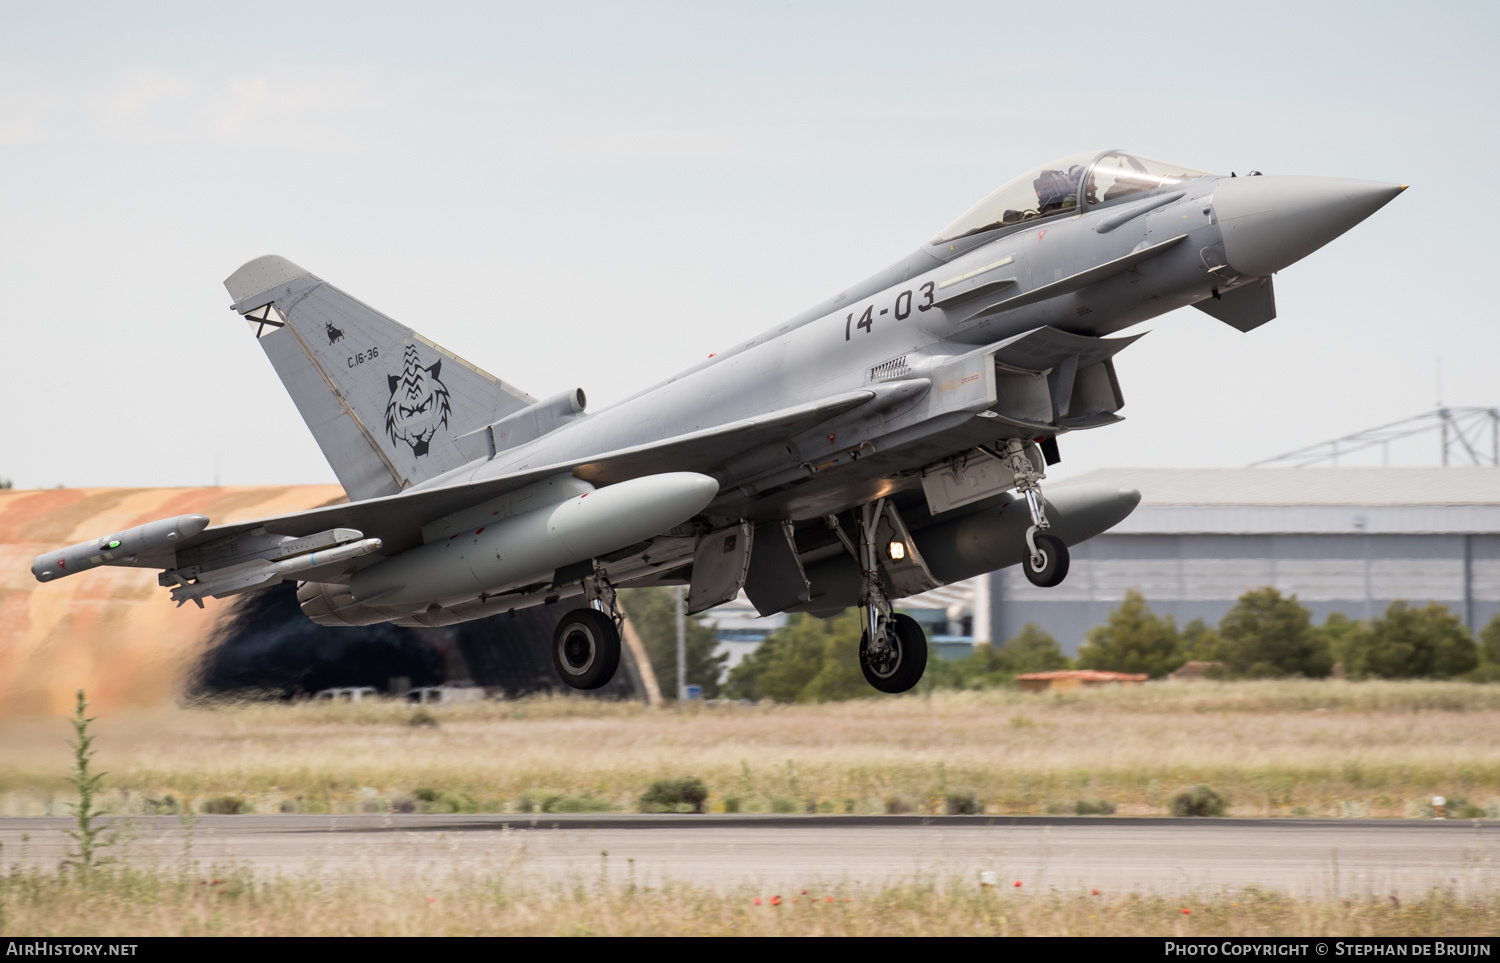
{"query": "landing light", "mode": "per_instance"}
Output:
(898, 551)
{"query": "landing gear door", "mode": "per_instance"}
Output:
(721, 561)
(776, 581)
(904, 566)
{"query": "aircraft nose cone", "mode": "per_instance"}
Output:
(1270, 222)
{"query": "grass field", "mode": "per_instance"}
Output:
(191, 900)
(1282, 748)
(1294, 748)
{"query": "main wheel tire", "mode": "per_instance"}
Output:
(903, 666)
(1054, 562)
(586, 649)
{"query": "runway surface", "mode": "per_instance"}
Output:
(1169, 856)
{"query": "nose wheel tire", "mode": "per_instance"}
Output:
(900, 665)
(1050, 564)
(586, 649)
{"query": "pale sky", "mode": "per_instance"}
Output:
(601, 194)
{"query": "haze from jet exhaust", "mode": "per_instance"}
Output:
(601, 194)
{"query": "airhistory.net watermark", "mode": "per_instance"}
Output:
(56, 948)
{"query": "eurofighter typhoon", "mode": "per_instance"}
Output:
(888, 441)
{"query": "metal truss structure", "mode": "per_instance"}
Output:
(1468, 437)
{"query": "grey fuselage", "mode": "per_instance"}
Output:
(469, 497)
(826, 350)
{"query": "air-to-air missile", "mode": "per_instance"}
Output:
(244, 576)
(885, 442)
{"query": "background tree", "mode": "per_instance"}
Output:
(1488, 669)
(1134, 639)
(1489, 641)
(839, 677)
(1409, 643)
(1030, 650)
(806, 660)
(654, 612)
(1201, 642)
(1265, 635)
(783, 665)
(1336, 631)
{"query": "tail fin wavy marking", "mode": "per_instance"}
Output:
(384, 403)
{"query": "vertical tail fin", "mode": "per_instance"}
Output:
(383, 402)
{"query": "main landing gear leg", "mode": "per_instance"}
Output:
(893, 648)
(601, 595)
(586, 643)
(1047, 557)
(871, 592)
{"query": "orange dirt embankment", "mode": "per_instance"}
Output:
(112, 631)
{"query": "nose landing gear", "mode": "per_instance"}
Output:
(1046, 564)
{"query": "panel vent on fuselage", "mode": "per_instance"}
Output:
(890, 370)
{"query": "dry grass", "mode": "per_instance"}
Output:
(123, 902)
(1274, 748)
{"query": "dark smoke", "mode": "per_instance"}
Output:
(264, 645)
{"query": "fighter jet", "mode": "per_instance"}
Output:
(888, 441)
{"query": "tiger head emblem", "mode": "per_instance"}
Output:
(419, 403)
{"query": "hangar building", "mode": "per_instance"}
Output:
(1348, 540)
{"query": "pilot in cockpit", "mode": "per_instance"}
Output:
(1057, 191)
(1054, 189)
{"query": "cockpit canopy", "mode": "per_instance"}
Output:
(1061, 186)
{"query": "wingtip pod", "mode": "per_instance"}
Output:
(157, 536)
